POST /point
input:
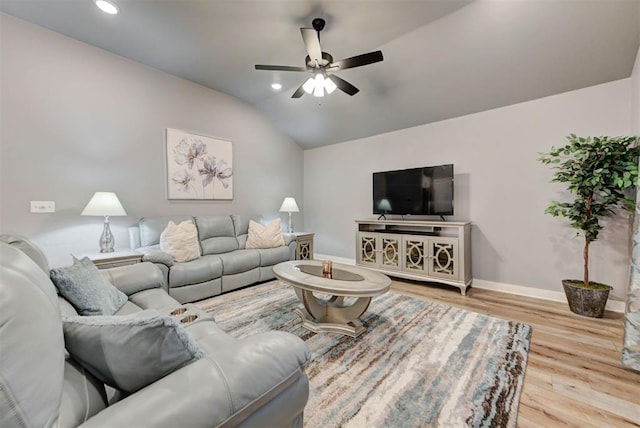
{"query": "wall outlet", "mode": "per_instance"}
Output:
(43, 206)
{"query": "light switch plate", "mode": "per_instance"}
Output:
(43, 206)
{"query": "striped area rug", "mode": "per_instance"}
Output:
(418, 364)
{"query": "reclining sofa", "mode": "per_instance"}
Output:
(225, 264)
(258, 381)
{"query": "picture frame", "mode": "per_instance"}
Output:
(199, 167)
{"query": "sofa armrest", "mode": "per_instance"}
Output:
(223, 388)
(193, 396)
(288, 238)
(258, 362)
(131, 279)
(159, 257)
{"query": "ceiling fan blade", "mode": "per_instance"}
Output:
(358, 60)
(343, 85)
(312, 43)
(280, 68)
(299, 92)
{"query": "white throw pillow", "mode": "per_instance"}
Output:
(268, 236)
(181, 241)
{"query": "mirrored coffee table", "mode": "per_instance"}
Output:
(349, 290)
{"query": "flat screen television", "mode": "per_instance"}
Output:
(415, 191)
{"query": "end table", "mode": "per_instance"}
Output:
(304, 245)
(113, 259)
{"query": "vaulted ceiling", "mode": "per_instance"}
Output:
(442, 58)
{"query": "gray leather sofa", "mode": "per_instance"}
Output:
(225, 264)
(255, 382)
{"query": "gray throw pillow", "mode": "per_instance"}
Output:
(132, 351)
(86, 289)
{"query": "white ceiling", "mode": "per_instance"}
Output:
(442, 58)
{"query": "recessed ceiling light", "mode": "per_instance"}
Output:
(107, 7)
(276, 86)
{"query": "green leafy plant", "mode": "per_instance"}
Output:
(597, 171)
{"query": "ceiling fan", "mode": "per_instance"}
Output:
(322, 65)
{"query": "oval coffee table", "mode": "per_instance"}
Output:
(333, 314)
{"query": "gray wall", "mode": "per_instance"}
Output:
(499, 186)
(76, 119)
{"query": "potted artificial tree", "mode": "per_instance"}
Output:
(597, 171)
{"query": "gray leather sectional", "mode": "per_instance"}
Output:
(255, 382)
(225, 264)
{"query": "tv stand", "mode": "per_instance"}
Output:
(438, 251)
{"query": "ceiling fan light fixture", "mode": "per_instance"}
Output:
(309, 85)
(329, 86)
(107, 7)
(321, 63)
(319, 85)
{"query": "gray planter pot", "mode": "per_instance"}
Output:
(586, 301)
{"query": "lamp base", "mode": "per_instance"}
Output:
(290, 223)
(107, 242)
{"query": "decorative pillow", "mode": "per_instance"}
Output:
(86, 289)
(181, 241)
(132, 351)
(268, 236)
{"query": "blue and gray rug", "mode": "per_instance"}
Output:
(418, 364)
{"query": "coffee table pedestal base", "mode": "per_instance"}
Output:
(332, 315)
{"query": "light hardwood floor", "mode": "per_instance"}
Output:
(574, 376)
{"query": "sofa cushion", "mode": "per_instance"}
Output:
(152, 298)
(239, 261)
(273, 256)
(217, 234)
(89, 292)
(181, 241)
(128, 309)
(82, 395)
(129, 352)
(152, 227)
(267, 236)
(204, 269)
(134, 278)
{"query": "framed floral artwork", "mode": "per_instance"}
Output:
(198, 167)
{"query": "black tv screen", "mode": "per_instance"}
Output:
(415, 191)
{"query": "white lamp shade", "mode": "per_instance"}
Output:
(309, 85)
(289, 205)
(329, 86)
(318, 90)
(318, 85)
(104, 204)
(384, 205)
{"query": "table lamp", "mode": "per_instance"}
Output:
(105, 204)
(289, 205)
(385, 206)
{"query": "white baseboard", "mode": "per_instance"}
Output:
(343, 260)
(555, 296)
